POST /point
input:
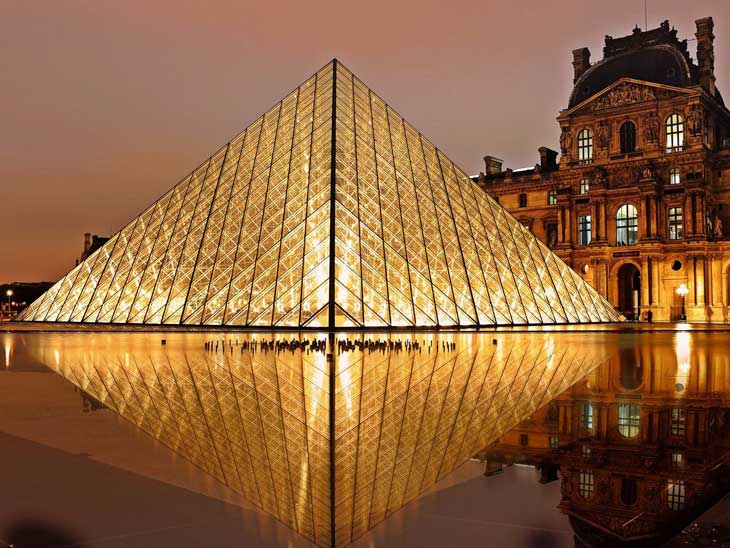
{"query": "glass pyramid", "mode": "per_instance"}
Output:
(328, 211)
(329, 443)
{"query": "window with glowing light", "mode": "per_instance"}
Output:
(627, 225)
(676, 493)
(584, 229)
(585, 484)
(675, 132)
(585, 145)
(586, 415)
(629, 419)
(584, 186)
(674, 176)
(676, 231)
(678, 423)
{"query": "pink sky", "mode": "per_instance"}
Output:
(105, 105)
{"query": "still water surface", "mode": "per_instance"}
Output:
(625, 432)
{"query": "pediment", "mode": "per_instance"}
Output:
(627, 91)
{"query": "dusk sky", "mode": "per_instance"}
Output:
(106, 105)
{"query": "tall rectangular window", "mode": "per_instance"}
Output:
(585, 145)
(552, 197)
(585, 483)
(523, 200)
(629, 419)
(676, 231)
(676, 492)
(584, 229)
(584, 186)
(678, 422)
(586, 415)
(674, 127)
(674, 176)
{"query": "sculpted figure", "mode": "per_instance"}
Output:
(717, 229)
(651, 128)
(694, 121)
(565, 141)
(603, 135)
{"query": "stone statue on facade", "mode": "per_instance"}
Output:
(651, 128)
(647, 173)
(565, 141)
(694, 121)
(717, 227)
(603, 134)
(552, 237)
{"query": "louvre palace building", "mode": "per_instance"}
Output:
(639, 203)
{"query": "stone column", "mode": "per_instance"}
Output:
(561, 226)
(644, 275)
(700, 280)
(699, 215)
(687, 209)
(656, 282)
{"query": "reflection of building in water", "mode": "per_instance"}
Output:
(641, 444)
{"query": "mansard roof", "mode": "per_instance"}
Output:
(652, 56)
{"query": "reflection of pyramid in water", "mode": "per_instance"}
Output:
(330, 210)
(329, 447)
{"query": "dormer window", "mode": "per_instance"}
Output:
(627, 135)
(585, 145)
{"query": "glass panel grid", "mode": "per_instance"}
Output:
(245, 239)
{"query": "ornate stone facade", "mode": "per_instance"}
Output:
(639, 203)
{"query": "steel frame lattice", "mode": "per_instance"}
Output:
(329, 211)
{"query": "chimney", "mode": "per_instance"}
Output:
(581, 62)
(706, 53)
(548, 159)
(87, 242)
(494, 165)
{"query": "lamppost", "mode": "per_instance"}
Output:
(9, 294)
(682, 292)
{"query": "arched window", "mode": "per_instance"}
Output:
(629, 420)
(627, 135)
(675, 132)
(585, 145)
(627, 225)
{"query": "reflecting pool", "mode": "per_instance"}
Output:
(331, 434)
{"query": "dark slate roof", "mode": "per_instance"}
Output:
(653, 56)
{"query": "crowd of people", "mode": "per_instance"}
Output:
(320, 345)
